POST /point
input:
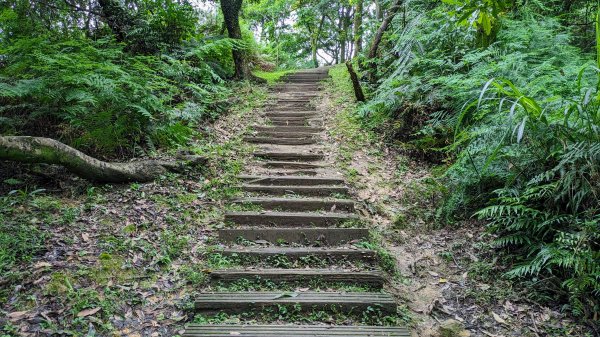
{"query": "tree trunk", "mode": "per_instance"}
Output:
(378, 10)
(49, 151)
(358, 93)
(378, 36)
(358, 41)
(117, 18)
(231, 13)
(342, 35)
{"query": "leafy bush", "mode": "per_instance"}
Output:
(527, 161)
(94, 96)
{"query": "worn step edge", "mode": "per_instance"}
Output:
(196, 330)
(288, 128)
(288, 218)
(296, 204)
(372, 278)
(347, 301)
(286, 134)
(333, 254)
(314, 191)
(306, 236)
(293, 330)
(290, 180)
(292, 165)
(280, 140)
(289, 156)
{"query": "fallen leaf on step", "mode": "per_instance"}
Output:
(434, 274)
(443, 280)
(17, 315)
(42, 265)
(85, 237)
(498, 319)
(88, 312)
(234, 333)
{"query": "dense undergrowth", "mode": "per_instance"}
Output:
(113, 93)
(512, 109)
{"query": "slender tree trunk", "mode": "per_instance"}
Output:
(379, 35)
(378, 10)
(342, 35)
(50, 151)
(358, 16)
(231, 13)
(358, 93)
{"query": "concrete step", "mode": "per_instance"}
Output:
(290, 114)
(349, 302)
(282, 122)
(303, 219)
(332, 255)
(275, 134)
(195, 330)
(312, 191)
(290, 180)
(292, 165)
(280, 140)
(305, 236)
(299, 204)
(306, 129)
(291, 156)
(372, 278)
(289, 119)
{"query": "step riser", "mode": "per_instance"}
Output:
(283, 114)
(294, 331)
(293, 123)
(287, 134)
(292, 165)
(330, 256)
(299, 205)
(290, 119)
(307, 236)
(373, 279)
(218, 305)
(282, 156)
(289, 220)
(280, 141)
(296, 190)
(304, 129)
(290, 180)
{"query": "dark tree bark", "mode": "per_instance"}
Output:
(49, 151)
(117, 18)
(358, 16)
(358, 93)
(231, 13)
(379, 35)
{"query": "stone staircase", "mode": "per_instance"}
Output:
(304, 214)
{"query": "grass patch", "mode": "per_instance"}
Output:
(271, 76)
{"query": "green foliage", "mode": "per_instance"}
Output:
(98, 98)
(524, 149)
(549, 209)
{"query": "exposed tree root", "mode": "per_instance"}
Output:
(49, 151)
